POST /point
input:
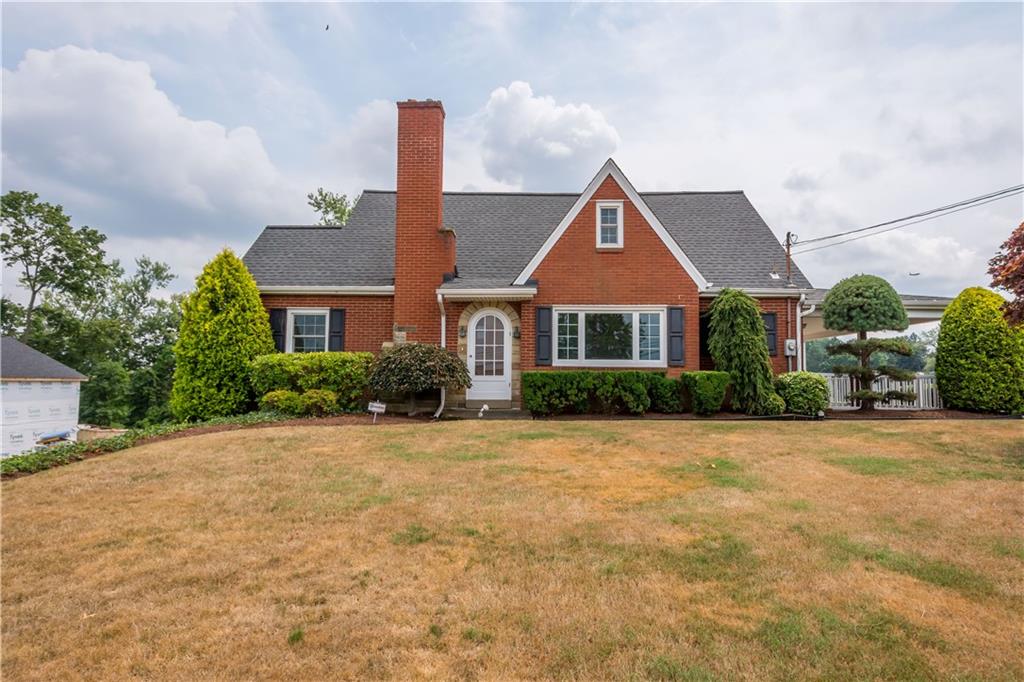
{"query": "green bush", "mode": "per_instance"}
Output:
(979, 364)
(283, 401)
(413, 368)
(706, 389)
(803, 392)
(599, 392)
(558, 392)
(666, 394)
(318, 402)
(344, 374)
(738, 346)
(223, 327)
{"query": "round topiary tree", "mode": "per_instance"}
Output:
(223, 327)
(413, 368)
(738, 345)
(862, 304)
(979, 363)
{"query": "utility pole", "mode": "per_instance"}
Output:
(790, 238)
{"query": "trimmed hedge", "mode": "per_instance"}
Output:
(621, 392)
(803, 392)
(31, 462)
(344, 374)
(979, 363)
(315, 402)
(706, 389)
(666, 394)
(586, 392)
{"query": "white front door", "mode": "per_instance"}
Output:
(489, 356)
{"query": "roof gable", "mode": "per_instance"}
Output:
(19, 361)
(610, 169)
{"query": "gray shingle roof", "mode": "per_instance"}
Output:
(18, 361)
(498, 234)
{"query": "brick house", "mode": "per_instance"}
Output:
(606, 278)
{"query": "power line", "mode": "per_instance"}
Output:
(997, 194)
(915, 222)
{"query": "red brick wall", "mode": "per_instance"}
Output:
(576, 272)
(785, 320)
(423, 253)
(367, 318)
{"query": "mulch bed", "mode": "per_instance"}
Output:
(911, 414)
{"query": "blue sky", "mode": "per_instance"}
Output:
(178, 129)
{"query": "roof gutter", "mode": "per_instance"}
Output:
(760, 293)
(385, 290)
(503, 293)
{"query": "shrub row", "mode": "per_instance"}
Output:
(31, 462)
(345, 375)
(613, 392)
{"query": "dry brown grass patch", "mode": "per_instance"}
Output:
(487, 550)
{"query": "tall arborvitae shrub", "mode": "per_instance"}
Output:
(738, 345)
(862, 304)
(979, 363)
(223, 327)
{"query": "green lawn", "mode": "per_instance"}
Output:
(664, 550)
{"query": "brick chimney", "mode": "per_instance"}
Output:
(424, 250)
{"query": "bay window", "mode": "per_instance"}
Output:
(598, 336)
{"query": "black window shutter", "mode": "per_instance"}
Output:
(771, 332)
(336, 333)
(543, 335)
(278, 320)
(676, 340)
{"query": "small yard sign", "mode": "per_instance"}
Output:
(376, 408)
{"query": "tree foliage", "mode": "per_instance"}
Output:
(105, 395)
(980, 360)
(738, 345)
(922, 346)
(865, 303)
(88, 313)
(1007, 270)
(223, 327)
(49, 254)
(333, 208)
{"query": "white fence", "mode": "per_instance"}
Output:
(839, 389)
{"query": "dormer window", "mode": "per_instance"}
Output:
(609, 224)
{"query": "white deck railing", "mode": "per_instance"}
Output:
(839, 389)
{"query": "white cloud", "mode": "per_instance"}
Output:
(536, 143)
(98, 123)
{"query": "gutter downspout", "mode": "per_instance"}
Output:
(440, 304)
(802, 360)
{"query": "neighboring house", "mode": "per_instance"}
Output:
(39, 396)
(606, 278)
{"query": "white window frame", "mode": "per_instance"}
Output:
(292, 312)
(635, 311)
(617, 205)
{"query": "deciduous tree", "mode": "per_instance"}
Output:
(1007, 270)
